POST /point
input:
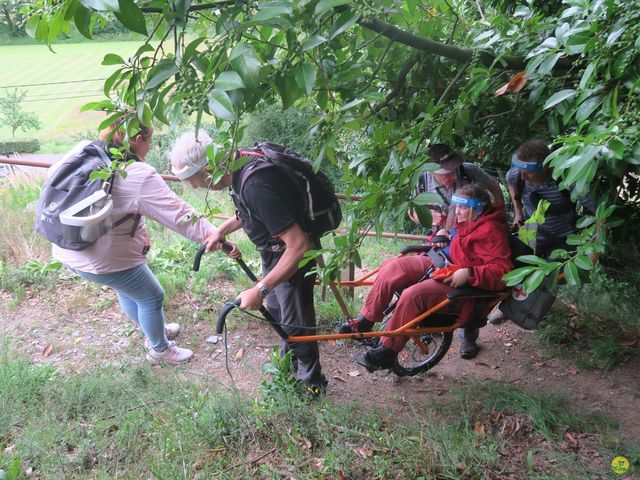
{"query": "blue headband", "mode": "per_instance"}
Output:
(516, 162)
(468, 202)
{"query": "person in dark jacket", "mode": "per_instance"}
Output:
(481, 251)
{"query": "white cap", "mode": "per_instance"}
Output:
(188, 155)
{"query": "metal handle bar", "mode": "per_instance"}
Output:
(226, 246)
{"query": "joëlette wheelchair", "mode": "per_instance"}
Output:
(431, 332)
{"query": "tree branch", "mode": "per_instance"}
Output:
(194, 8)
(449, 51)
(400, 80)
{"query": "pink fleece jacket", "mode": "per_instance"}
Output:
(142, 192)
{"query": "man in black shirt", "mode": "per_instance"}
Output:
(266, 211)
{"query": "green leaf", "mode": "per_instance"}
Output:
(305, 76)
(82, 20)
(244, 61)
(31, 25)
(548, 63)
(344, 21)
(558, 97)
(588, 72)
(312, 42)
(324, 5)
(112, 59)
(426, 198)
(571, 274)
(532, 260)
(587, 107)
(191, 49)
(101, 5)
(229, 80)
(514, 277)
(424, 216)
(274, 11)
(131, 16)
(583, 262)
(533, 281)
(287, 88)
(617, 147)
(221, 106)
(160, 73)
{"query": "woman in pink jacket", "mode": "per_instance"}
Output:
(481, 250)
(118, 259)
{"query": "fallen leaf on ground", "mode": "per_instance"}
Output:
(572, 371)
(240, 354)
(461, 467)
(364, 451)
(440, 377)
(354, 373)
(77, 340)
(9, 448)
(331, 343)
(307, 443)
(339, 378)
(482, 364)
(478, 429)
(47, 350)
(318, 463)
(537, 364)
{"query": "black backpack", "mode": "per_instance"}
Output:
(320, 210)
(69, 185)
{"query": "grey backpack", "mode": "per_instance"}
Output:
(73, 211)
(528, 310)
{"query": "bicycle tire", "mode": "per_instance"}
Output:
(412, 360)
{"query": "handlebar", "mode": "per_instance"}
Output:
(226, 247)
(222, 318)
(415, 249)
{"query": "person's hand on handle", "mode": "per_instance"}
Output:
(234, 253)
(214, 241)
(458, 279)
(251, 299)
(442, 232)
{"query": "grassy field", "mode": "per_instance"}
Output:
(58, 104)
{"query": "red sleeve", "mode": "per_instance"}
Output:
(494, 257)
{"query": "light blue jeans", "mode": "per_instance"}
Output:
(141, 297)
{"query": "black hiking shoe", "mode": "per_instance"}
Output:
(377, 358)
(468, 349)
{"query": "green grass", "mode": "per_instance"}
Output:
(61, 119)
(140, 422)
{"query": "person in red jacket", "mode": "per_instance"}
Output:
(480, 250)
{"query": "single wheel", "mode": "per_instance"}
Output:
(422, 353)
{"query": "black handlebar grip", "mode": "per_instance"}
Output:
(415, 249)
(198, 257)
(222, 318)
(226, 246)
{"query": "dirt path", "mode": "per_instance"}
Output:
(86, 328)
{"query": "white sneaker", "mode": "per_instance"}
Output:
(173, 354)
(171, 331)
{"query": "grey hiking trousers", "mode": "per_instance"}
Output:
(291, 304)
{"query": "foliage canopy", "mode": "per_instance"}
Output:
(385, 77)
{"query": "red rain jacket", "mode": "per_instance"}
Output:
(483, 245)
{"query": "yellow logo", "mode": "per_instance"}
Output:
(620, 465)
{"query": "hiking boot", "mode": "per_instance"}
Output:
(377, 358)
(173, 354)
(496, 317)
(356, 325)
(468, 349)
(171, 331)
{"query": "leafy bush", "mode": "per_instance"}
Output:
(19, 146)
